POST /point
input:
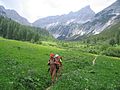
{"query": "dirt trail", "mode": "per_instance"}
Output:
(48, 88)
(93, 62)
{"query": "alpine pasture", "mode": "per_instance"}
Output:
(23, 66)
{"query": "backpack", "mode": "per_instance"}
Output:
(58, 60)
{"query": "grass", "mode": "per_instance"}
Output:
(23, 66)
(81, 75)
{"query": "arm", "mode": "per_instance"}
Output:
(48, 62)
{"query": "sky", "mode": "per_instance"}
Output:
(35, 9)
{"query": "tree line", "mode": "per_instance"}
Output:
(13, 30)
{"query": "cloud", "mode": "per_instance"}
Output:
(43, 8)
(98, 5)
(1, 3)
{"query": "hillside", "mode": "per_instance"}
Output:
(64, 26)
(112, 32)
(81, 16)
(13, 30)
(13, 15)
(24, 67)
(102, 20)
(84, 26)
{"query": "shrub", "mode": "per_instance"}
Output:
(93, 51)
(64, 44)
(104, 47)
(112, 42)
(39, 42)
(112, 51)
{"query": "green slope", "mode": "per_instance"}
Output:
(23, 66)
(13, 30)
(112, 32)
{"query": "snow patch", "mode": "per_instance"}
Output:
(56, 35)
(69, 21)
(100, 29)
(78, 32)
(52, 24)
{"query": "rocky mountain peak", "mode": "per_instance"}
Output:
(83, 15)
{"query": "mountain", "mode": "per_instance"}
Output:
(102, 20)
(111, 33)
(85, 22)
(81, 16)
(13, 15)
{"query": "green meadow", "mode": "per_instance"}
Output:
(23, 66)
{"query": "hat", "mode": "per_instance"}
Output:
(52, 55)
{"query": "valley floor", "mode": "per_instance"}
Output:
(23, 66)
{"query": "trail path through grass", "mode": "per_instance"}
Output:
(94, 60)
(49, 88)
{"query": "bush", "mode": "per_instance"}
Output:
(112, 42)
(112, 51)
(65, 45)
(104, 47)
(39, 42)
(93, 51)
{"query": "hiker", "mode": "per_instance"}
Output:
(51, 58)
(52, 68)
(58, 62)
(55, 63)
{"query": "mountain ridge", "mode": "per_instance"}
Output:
(99, 22)
(13, 15)
(74, 25)
(66, 18)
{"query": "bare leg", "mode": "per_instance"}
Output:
(53, 74)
